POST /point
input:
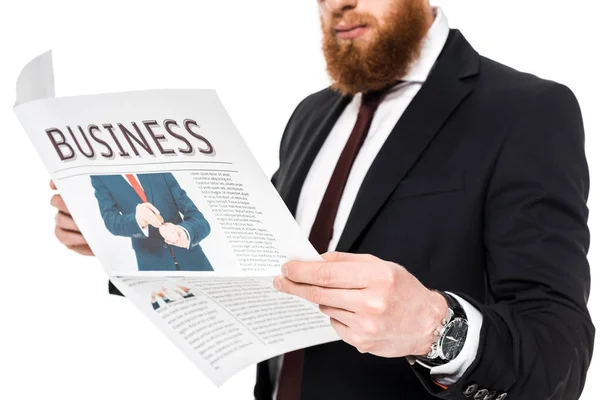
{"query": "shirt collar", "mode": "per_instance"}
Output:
(432, 47)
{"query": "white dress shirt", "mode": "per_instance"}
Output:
(387, 115)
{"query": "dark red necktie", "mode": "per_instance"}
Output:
(290, 378)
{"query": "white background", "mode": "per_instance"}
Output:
(61, 334)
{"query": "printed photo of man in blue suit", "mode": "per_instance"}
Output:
(164, 225)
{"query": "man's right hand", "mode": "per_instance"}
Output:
(66, 230)
(146, 214)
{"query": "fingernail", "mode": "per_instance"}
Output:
(277, 283)
(284, 270)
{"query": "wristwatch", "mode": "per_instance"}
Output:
(450, 337)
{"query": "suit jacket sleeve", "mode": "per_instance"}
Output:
(537, 337)
(117, 223)
(193, 221)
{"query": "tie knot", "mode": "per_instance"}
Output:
(374, 97)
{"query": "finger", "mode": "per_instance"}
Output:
(57, 202)
(151, 218)
(348, 335)
(344, 275)
(155, 220)
(168, 234)
(164, 230)
(341, 329)
(347, 299)
(65, 221)
(339, 256)
(70, 238)
(155, 223)
(52, 185)
(151, 207)
(181, 233)
(172, 236)
(345, 317)
(83, 250)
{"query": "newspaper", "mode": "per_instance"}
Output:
(180, 215)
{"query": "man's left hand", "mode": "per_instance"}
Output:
(174, 235)
(374, 305)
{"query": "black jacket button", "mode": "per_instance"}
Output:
(470, 390)
(490, 395)
(480, 394)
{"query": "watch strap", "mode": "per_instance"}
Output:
(454, 305)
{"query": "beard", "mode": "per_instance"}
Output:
(359, 66)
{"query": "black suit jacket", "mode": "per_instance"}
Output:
(481, 190)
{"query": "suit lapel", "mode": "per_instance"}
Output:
(302, 156)
(124, 186)
(441, 94)
(145, 182)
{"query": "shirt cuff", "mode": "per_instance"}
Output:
(451, 372)
(145, 231)
(188, 237)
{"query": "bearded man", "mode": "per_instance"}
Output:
(454, 190)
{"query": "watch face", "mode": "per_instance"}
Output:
(453, 338)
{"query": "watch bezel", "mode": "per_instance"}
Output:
(444, 333)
